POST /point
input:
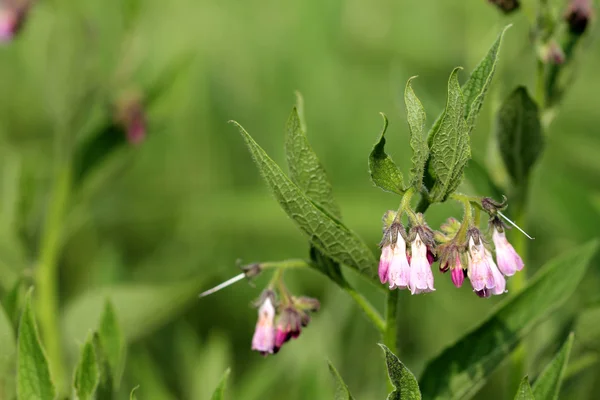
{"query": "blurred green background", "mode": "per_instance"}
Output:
(188, 201)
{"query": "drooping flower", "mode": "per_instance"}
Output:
(458, 274)
(421, 277)
(508, 260)
(387, 253)
(578, 15)
(499, 281)
(289, 325)
(479, 270)
(399, 272)
(263, 340)
(12, 18)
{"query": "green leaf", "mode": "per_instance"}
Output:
(476, 87)
(112, 341)
(469, 362)
(219, 393)
(449, 144)
(416, 122)
(33, 373)
(547, 386)
(524, 392)
(481, 181)
(325, 232)
(404, 382)
(384, 172)
(8, 350)
(341, 389)
(86, 373)
(132, 395)
(306, 171)
(519, 134)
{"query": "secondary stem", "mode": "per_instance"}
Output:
(391, 312)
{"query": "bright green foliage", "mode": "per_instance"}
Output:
(341, 389)
(7, 356)
(404, 382)
(33, 373)
(468, 363)
(449, 144)
(384, 172)
(132, 395)
(86, 373)
(112, 341)
(519, 134)
(415, 114)
(524, 392)
(219, 393)
(547, 386)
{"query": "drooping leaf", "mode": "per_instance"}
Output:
(384, 172)
(416, 122)
(219, 393)
(470, 361)
(449, 145)
(519, 134)
(306, 171)
(404, 382)
(547, 386)
(33, 373)
(524, 392)
(341, 389)
(112, 341)
(8, 350)
(326, 233)
(86, 373)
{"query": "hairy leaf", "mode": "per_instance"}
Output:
(33, 373)
(325, 232)
(86, 373)
(524, 392)
(450, 149)
(341, 389)
(468, 363)
(219, 393)
(547, 386)
(384, 172)
(8, 351)
(112, 341)
(404, 382)
(416, 122)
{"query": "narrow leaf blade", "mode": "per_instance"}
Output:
(404, 382)
(384, 172)
(112, 341)
(547, 386)
(341, 389)
(416, 122)
(86, 373)
(524, 392)
(219, 393)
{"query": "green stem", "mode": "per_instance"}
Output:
(391, 311)
(423, 205)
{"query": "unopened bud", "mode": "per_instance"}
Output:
(578, 15)
(506, 6)
(553, 54)
(132, 117)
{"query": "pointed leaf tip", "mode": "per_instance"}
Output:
(404, 382)
(384, 172)
(342, 392)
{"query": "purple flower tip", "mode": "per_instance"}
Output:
(458, 276)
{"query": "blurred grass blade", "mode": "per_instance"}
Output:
(341, 389)
(468, 363)
(112, 341)
(13, 302)
(384, 171)
(8, 350)
(524, 392)
(86, 373)
(33, 372)
(132, 395)
(219, 393)
(547, 386)
(166, 78)
(415, 114)
(404, 382)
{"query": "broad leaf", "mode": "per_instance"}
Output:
(519, 134)
(547, 386)
(470, 361)
(404, 382)
(33, 373)
(8, 350)
(416, 122)
(112, 341)
(324, 231)
(219, 393)
(341, 389)
(306, 171)
(86, 373)
(384, 172)
(524, 392)
(449, 144)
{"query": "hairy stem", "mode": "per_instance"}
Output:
(423, 205)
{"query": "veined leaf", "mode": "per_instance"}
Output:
(384, 172)
(86, 373)
(112, 341)
(524, 392)
(33, 373)
(219, 393)
(404, 382)
(469, 362)
(416, 122)
(325, 232)
(8, 350)
(341, 389)
(450, 149)
(547, 386)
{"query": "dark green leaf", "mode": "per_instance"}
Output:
(341, 389)
(33, 373)
(524, 392)
(404, 382)
(306, 171)
(324, 231)
(469, 362)
(547, 386)
(519, 134)
(112, 341)
(449, 144)
(105, 389)
(12, 302)
(8, 351)
(416, 122)
(86, 372)
(219, 393)
(481, 181)
(384, 172)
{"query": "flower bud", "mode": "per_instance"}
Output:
(578, 15)
(132, 117)
(552, 53)
(12, 18)
(506, 6)
(458, 274)
(289, 325)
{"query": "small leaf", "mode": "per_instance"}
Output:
(219, 393)
(326, 233)
(449, 144)
(112, 341)
(404, 382)
(547, 386)
(105, 390)
(341, 389)
(519, 134)
(132, 395)
(384, 172)
(8, 350)
(86, 373)
(524, 392)
(33, 373)
(306, 171)
(469, 362)
(416, 122)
